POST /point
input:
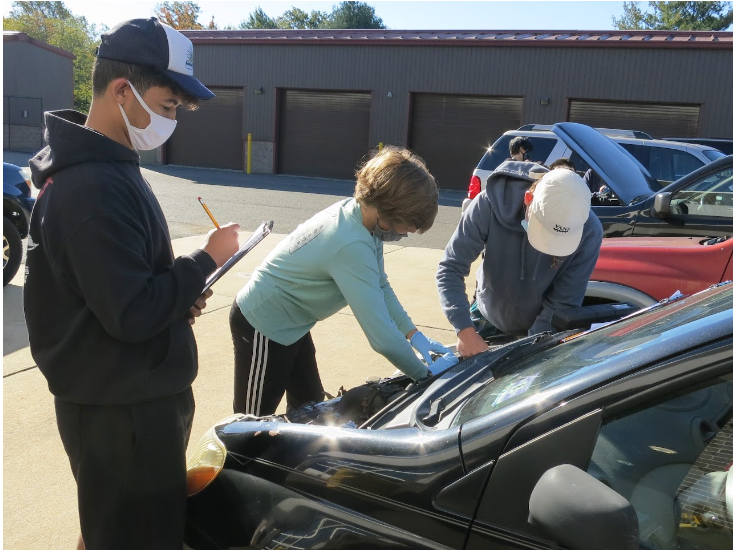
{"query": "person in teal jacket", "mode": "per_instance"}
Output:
(334, 260)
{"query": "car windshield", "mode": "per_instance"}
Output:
(594, 356)
(500, 151)
(713, 154)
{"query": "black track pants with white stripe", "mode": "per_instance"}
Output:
(265, 369)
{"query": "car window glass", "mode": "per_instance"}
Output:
(542, 149)
(599, 198)
(667, 165)
(581, 166)
(610, 347)
(672, 461)
(685, 163)
(500, 151)
(636, 150)
(713, 154)
(710, 196)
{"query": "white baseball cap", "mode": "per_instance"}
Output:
(558, 212)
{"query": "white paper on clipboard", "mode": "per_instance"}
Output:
(258, 235)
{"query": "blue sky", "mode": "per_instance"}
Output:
(455, 15)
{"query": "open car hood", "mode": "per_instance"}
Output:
(628, 179)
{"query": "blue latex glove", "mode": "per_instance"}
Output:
(440, 364)
(424, 346)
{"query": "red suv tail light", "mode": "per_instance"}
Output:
(474, 187)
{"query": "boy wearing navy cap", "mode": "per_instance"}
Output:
(108, 308)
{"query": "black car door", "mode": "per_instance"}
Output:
(701, 207)
(651, 437)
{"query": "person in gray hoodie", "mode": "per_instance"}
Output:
(541, 244)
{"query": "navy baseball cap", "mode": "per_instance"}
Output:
(155, 44)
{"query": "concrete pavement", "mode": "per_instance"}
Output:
(39, 508)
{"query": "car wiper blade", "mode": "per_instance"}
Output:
(457, 392)
(442, 405)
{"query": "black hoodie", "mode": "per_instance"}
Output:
(105, 301)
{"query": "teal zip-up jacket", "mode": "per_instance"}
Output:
(329, 262)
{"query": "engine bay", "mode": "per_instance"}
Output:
(351, 408)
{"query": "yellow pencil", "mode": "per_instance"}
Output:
(209, 213)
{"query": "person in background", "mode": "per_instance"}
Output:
(334, 260)
(594, 183)
(520, 148)
(108, 308)
(564, 163)
(541, 244)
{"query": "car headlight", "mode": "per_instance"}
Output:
(206, 462)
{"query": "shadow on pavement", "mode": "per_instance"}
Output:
(231, 178)
(286, 183)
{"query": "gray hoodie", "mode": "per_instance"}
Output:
(518, 289)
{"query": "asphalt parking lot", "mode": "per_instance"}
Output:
(39, 508)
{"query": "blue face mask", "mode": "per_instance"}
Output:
(388, 236)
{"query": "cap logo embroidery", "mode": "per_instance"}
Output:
(190, 58)
(560, 229)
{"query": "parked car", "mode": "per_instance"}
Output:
(699, 204)
(724, 145)
(17, 207)
(666, 161)
(615, 438)
(643, 270)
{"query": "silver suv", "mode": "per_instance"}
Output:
(666, 160)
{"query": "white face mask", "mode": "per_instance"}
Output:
(153, 136)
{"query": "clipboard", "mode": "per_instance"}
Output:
(258, 235)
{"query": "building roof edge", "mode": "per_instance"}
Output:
(19, 36)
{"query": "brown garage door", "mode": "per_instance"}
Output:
(322, 134)
(212, 135)
(659, 120)
(452, 132)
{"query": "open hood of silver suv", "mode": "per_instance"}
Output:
(629, 179)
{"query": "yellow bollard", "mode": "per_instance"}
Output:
(250, 142)
(380, 146)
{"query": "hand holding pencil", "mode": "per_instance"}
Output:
(221, 243)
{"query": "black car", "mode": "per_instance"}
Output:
(17, 207)
(699, 204)
(621, 437)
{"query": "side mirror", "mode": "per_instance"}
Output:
(580, 512)
(661, 206)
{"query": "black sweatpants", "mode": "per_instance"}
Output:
(130, 468)
(265, 369)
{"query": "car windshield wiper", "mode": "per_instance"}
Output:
(459, 392)
(445, 404)
(464, 389)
